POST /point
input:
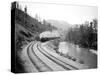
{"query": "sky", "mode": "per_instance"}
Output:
(73, 14)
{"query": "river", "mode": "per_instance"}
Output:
(79, 53)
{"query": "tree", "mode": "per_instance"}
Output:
(95, 22)
(85, 35)
(25, 9)
(36, 17)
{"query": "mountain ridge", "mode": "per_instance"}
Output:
(60, 24)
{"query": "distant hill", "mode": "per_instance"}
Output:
(59, 24)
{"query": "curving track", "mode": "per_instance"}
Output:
(45, 60)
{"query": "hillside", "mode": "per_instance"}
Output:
(24, 30)
(28, 26)
(59, 24)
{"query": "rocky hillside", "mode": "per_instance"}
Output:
(25, 29)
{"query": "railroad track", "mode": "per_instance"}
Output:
(45, 61)
(67, 61)
(39, 65)
(56, 60)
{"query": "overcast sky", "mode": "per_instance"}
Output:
(69, 13)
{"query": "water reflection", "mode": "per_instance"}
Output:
(81, 54)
